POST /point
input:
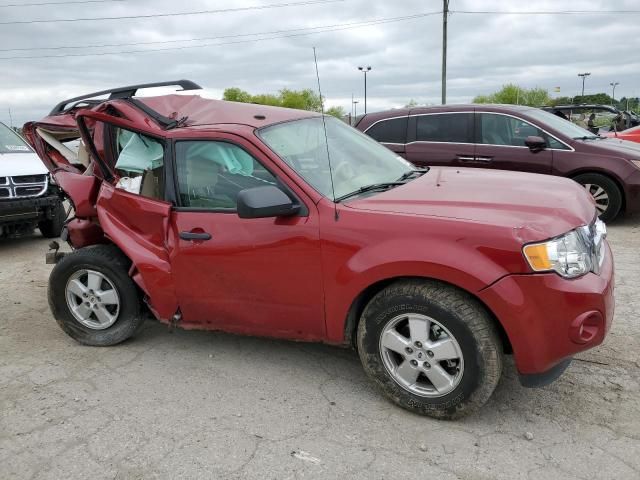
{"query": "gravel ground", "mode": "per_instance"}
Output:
(211, 405)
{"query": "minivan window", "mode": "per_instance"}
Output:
(497, 129)
(564, 127)
(393, 130)
(445, 127)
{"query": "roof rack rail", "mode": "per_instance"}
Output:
(125, 92)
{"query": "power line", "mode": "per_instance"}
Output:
(547, 12)
(219, 37)
(177, 14)
(57, 3)
(273, 37)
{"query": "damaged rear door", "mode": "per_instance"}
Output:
(131, 207)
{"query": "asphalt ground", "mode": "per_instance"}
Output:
(211, 405)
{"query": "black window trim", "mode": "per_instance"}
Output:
(303, 212)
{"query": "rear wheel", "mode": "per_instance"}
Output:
(92, 297)
(605, 193)
(432, 348)
(52, 227)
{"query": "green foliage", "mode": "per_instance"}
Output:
(301, 99)
(513, 94)
(337, 112)
(412, 103)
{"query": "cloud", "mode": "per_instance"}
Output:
(485, 51)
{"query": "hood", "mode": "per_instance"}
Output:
(615, 146)
(535, 206)
(15, 164)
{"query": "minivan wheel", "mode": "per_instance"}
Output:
(432, 348)
(605, 193)
(92, 297)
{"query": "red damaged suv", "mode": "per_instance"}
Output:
(267, 221)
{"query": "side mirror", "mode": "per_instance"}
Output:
(535, 143)
(263, 202)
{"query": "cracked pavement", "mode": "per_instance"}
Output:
(211, 405)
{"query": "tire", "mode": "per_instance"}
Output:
(107, 323)
(52, 227)
(458, 316)
(605, 192)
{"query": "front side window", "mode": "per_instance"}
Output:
(441, 127)
(11, 142)
(139, 164)
(212, 173)
(504, 130)
(390, 131)
(356, 159)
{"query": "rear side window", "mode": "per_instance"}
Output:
(393, 130)
(449, 127)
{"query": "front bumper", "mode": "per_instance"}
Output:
(548, 319)
(28, 209)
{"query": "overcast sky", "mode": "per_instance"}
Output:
(485, 51)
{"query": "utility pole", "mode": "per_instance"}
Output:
(583, 75)
(10, 119)
(365, 70)
(445, 15)
(355, 109)
(613, 94)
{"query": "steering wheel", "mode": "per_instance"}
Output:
(344, 171)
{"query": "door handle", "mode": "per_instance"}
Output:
(484, 159)
(462, 158)
(195, 236)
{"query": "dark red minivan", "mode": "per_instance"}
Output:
(511, 137)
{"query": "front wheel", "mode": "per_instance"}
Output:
(92, 297)
(432, 348)
(605, 194)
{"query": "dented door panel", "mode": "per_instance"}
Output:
(138, 226)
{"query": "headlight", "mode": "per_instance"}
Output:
(574, 254)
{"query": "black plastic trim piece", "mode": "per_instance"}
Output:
(536, 380)
(125, 92)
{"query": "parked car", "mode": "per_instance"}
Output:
(237, 217)
(605, 118)
(630, 134)
(512, 137)
(27, 197)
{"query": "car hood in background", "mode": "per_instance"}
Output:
(15, 164)
(615, 146)
(536, 206)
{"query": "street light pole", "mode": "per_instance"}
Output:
(445, 15)
(583, 75)
(365, 70)
(355, 109)
(613, 94)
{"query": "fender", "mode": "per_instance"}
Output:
(470, 268)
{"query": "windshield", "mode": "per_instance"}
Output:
(565, 127)
(10, 141)
(357, 160)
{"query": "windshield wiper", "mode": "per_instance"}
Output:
(588, 137)
(369, 188)
(411, 173)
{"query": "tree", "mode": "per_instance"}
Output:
(301, 99)
(337, 112)
(513, 94)
(411, 103)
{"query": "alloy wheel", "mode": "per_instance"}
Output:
(600, 196)
(421, 355)
(92, 299)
